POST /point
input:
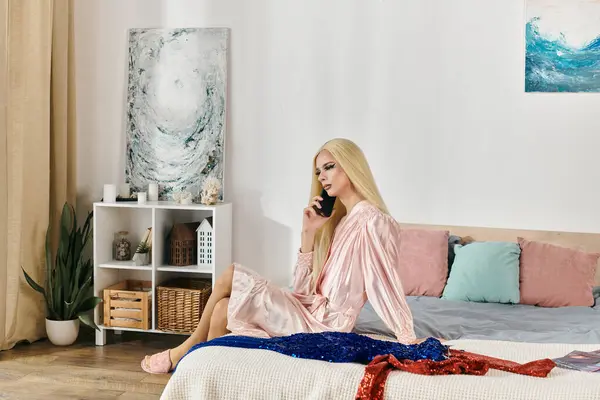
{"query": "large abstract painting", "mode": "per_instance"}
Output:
(176, 106)
(562, 46)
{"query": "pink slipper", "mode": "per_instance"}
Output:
(159, 363)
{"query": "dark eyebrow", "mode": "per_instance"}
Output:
(326, 164)
(318, 169)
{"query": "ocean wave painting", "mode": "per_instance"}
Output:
(562, 46)
(176, 106)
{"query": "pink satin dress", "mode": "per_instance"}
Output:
(362, 264)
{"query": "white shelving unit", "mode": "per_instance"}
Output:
(110, 218)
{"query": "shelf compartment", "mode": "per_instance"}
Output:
(110, 220)
(107, 277)
(180, 303)
(163, 223)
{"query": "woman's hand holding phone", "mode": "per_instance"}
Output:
(313, 221)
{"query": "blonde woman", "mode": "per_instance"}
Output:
(343, 260)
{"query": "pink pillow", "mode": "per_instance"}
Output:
(555, 276)
(423, 261)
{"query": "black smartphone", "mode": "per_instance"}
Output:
(326, 205)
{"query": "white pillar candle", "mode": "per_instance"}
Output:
(124, 190)
(110, 193)
(141, 197)
(153, 192)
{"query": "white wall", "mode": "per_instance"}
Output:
(432, 91)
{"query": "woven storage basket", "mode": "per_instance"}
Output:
(181, 302)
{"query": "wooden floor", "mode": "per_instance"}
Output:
(84, 371)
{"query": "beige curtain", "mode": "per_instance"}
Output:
(37, 151)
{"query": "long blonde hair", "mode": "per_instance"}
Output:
(354, 163)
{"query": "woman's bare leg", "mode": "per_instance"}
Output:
(221, 290)
(218, 322)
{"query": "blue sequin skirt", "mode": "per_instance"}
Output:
(337, 347)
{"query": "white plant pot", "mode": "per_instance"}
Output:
(141, 258)
(62, 333)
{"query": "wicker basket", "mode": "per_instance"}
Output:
(182, 244)
(181, 303)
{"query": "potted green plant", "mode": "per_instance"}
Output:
(142, 252)
(69, 277)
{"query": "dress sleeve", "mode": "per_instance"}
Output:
(382, 281)
(303, 273)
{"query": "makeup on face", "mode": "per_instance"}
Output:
(326, 167)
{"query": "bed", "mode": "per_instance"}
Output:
(516, 332)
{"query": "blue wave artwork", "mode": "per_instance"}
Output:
(555, 62)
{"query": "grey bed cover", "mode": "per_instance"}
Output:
(469, 320)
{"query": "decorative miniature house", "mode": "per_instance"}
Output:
(205, 242)
(183, 243)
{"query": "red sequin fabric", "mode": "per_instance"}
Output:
(372, 385)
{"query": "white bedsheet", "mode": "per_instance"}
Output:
(231, 373)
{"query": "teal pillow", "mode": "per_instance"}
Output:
(485, 272)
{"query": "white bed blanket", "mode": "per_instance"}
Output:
(231, 373)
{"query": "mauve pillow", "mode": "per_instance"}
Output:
(556, 276)
(423, 261)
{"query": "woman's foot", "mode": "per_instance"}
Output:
(159, 363)
(163, 362)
